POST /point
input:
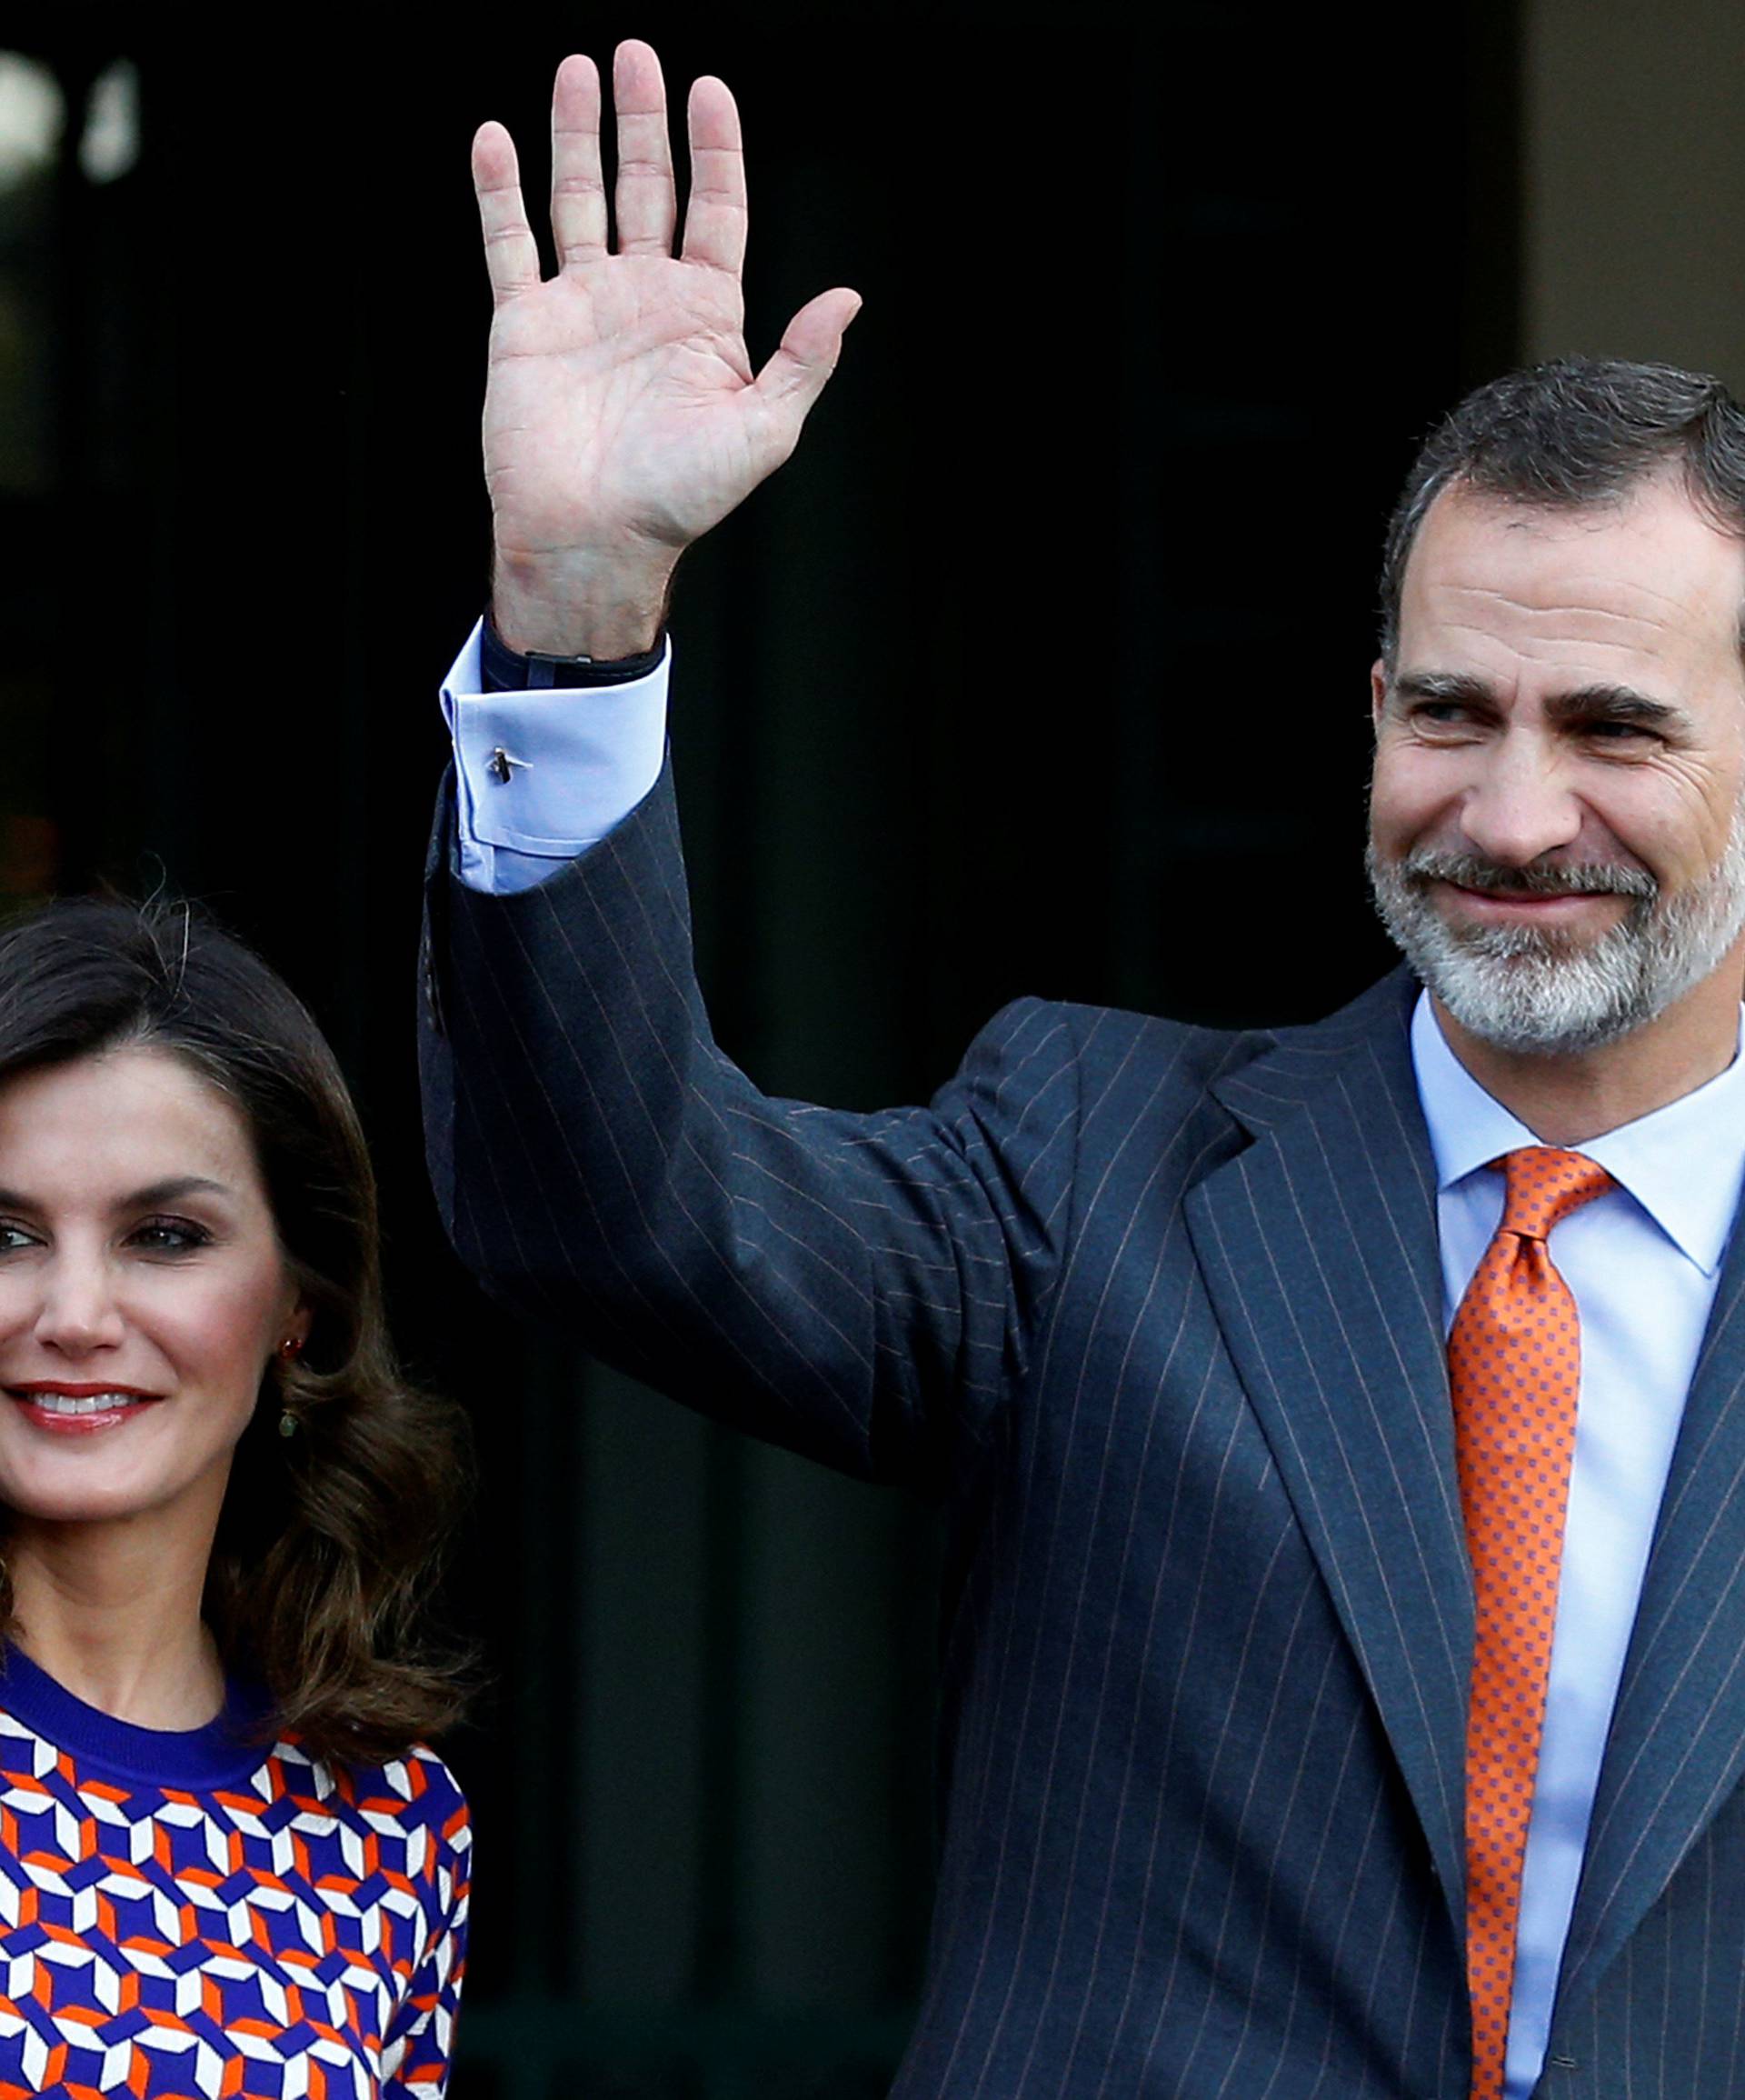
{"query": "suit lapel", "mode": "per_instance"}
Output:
(1677, 1745)
(1318, 1245)
(1319, 1248)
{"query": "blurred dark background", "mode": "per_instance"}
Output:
(1043, 667)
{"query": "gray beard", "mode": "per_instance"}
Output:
(1523, 988)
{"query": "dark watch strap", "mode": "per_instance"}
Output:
(503, 670)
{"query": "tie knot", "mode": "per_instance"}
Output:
(1542, 1186)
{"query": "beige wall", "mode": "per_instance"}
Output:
(1634, 136)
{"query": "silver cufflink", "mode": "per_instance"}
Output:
(499, 763)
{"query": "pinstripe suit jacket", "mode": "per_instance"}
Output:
(1155, 1310)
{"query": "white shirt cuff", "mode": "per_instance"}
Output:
(541, 776)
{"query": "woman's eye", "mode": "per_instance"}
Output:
(12, 1238)
(169, 1236)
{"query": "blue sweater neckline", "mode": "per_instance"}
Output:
(225, 1750)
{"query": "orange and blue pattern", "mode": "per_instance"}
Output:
(287, 1930)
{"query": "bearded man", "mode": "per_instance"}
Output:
(1341, 1428)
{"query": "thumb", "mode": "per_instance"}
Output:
(795, 374)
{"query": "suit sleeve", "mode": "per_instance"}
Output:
(862, 1288)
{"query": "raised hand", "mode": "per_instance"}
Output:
(622, 416)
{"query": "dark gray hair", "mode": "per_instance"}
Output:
(1577, 433)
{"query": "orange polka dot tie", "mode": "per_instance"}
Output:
(1514, 1363)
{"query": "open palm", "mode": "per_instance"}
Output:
(623, 417)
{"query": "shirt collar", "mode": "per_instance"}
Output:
(1683, 1164)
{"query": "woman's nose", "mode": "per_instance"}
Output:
(78, 1311)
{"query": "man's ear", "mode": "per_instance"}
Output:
(1378, 690)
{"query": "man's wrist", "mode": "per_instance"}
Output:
(506, 670)
(605, 615)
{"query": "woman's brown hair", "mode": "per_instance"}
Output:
(330, 1540)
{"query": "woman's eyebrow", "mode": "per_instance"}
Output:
(172, 1189)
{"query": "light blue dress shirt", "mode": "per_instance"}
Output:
(1642, 1262)
(540, 775)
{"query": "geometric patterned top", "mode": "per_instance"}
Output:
(188, 1917)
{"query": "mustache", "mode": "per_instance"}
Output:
(1575, 878)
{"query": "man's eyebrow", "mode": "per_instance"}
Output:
(1594, 703)
(170, 1190)
(1615, 703)
(1461, 685)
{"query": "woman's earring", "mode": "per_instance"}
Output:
(290, 1349)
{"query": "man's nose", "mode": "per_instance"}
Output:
(78, 1312)
(1521, 805)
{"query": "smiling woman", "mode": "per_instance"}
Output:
(227, 1863)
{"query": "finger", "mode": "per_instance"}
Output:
(511, 256)
(796, 374)
(578, 191)
(644, 199)
(714, 213)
